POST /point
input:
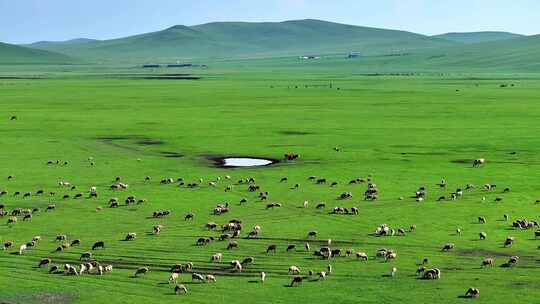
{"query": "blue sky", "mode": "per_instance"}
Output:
(23, 21)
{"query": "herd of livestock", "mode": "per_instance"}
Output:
(233, 230)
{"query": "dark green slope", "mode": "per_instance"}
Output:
(14, 54)
(240, 39)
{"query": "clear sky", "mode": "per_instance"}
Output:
(23, 21)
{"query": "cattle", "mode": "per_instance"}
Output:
(180, 289)
(98, 244)
(263, 276)
(320, 206)
(393, 272)
(482, 220)
(210, 278)
(472, 292)
(211, 226)
(157, 229)
(189, 217)
(141, 271)
(483, 235)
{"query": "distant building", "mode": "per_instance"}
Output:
(146, 66)
(310, 57)
(180, 65)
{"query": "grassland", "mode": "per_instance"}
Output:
(404, 131)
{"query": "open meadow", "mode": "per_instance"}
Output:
(399, 131)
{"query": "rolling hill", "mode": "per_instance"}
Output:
(244, 40)
(477, 37)
(53, 44)
(14, 54)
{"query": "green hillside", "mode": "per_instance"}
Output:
(476, 37)
(240, 39)
(13, 54)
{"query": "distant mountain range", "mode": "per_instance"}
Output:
(477, 37)
(241, 39)
(230, 40)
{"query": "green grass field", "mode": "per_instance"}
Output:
(404, 131)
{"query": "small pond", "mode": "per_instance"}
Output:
(238, 161)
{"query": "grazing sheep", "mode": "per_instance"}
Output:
(271, 248)
(180, 289)
(22, 249)
(232, 245)
(472, 292)
(512, 261)
(157, 229)
(479, 162)
(432, 274)
(7, 245)
(248, 260)
(448, 246)
(509, 241)
(54, 269)
(12, 220)
(98, 244)
(294, 270)
(85, 256)
(291, 247)
(173, 277)
(320, 206)
(141, 270)
(210, 278)
(296, 281)
(362, 255)
(488, 262)
(197, 277)
(393, 272)
(131, 236)
(236, 266)
(82, 269)
(44, 262)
